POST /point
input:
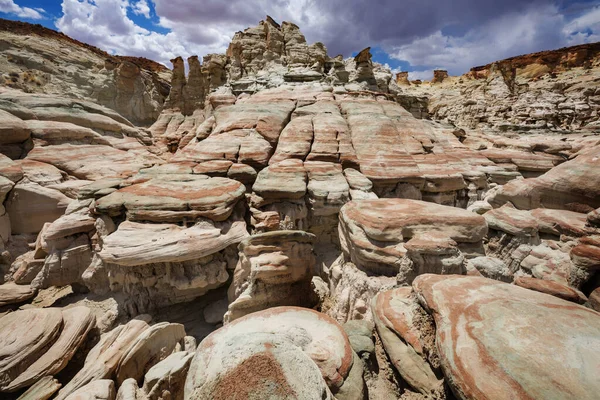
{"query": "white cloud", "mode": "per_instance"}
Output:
(141, 7)
(508, 35)
(195, 28)
(104, 23)
(578, 29)
(424, 75)
(9, 7)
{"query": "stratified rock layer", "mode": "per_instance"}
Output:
(511, 355)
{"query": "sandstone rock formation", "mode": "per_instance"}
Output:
(292, 225)
(286, 351)
(36, 60)
(274, 269)
(40, 342)
(552, 90)
(499, 351)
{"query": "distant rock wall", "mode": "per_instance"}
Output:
(39, 60)
(554, 90)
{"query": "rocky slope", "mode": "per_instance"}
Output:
(39, 60)
(287, 228)
(551, 90)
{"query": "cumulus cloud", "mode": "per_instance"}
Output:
(426, 34)
(105, 23)
(10, 7)
(141, 7)
(533, 29)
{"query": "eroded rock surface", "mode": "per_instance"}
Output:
(292, 179)
(480, 314)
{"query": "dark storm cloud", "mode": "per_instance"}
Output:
(394, 23)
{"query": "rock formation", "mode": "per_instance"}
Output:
(35, 59)
(293, 225)
(553, 90)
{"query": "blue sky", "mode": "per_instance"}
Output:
(409, 35)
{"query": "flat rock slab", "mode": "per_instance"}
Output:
(573, 185)
(42, 389)
(284, 180)
(267, 118)
(551, 287)
(163, 200)
(500, 341)
(139, 244)
(93, 162)
(373, 232)
(24, 336)
(12, 294)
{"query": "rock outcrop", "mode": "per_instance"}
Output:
(552, 90)
(290, 227)
(499, 366)
(35, 59)
(40, 342)
(274, 269)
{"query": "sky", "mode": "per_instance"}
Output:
(408, 35)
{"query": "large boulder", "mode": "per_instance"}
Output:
(285, 352)
(572, 185)
(377, 234)
(492, 345)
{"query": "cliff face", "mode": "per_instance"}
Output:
(39, 60)
(557, 90)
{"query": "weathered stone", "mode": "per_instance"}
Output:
(138, 244)
(102, 389)
(553, 288)
(152, 346)
(572, 185)
(481, 314)
(30, 205)
(24, 337)
(398, 326)
(161, 200)
(92, 162)
(77, 322)
(274, 269)
(43, 389)
(102, 361)
(14, 294)
(287, 351)
(373, 233)
(168, 375)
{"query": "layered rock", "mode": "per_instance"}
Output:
(158, 262)
(35, 59)
(40, 342)
(274, 269)
(499, 365)
(406, 332)
(104, 358)
(570, 186)
(377, 234)
(554, 90)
